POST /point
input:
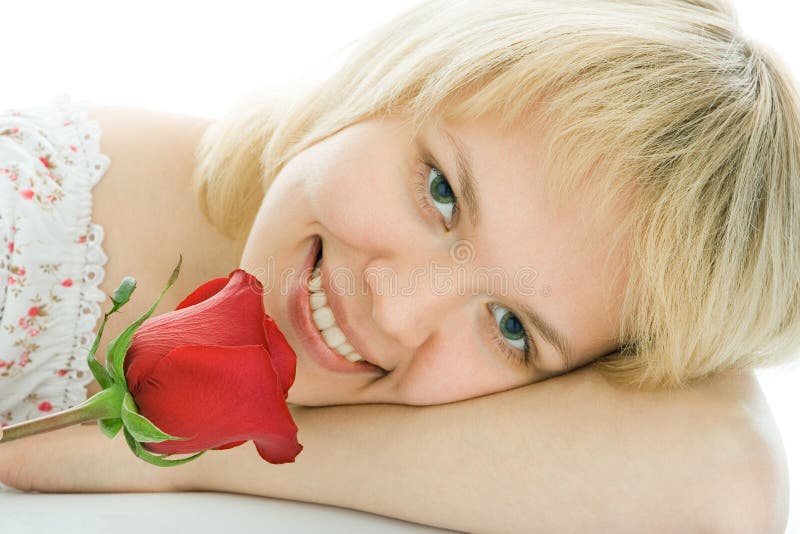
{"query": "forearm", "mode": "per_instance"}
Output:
(569, 454)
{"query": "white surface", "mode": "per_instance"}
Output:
(195, 512)
(196, 58)
(178, 56)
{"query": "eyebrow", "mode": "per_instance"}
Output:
(548, 332)
(469, 192)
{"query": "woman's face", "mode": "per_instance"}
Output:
(426, 279)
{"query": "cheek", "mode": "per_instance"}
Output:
(358, 198)
(345, 202)
(457, 365)
(451, 375)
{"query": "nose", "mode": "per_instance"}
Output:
(409, 304)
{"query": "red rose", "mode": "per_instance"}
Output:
(212, 374)
(215, 370)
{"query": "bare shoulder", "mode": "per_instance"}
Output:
(121, 120)
(148, 211)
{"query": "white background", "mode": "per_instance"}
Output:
(196, 57)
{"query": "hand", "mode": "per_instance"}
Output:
(80, 459)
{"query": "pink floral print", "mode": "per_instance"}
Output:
(51, 257)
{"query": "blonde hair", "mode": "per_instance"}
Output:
(664, 103)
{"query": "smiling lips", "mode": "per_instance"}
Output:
(315, 321)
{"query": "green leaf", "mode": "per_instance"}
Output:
(154, 459)
(139, 426)
(120, 345)
(110, 427)
(123, 293)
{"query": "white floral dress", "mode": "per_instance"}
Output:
(51, 257)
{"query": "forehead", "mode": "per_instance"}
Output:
(522, 228)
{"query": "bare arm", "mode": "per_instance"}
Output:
(570, 454)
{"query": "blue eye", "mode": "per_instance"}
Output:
(441, 192)
(510, 326)
(436, 195)
(513, 333)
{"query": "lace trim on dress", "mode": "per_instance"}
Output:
(88, 132)
(52, 257)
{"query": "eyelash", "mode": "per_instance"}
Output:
(423, 196)
(527, 360)
(423, 193)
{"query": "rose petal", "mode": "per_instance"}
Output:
(284, 359)
(204, 292)
(231, 317)
(230, 445)
(221, 394)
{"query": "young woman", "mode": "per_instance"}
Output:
(626, 174)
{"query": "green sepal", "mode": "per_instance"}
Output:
(154, 459)
(121, 296)
(118, 348)
(131, 442)
(116, 352)
(100, 374)
(105, 404)
(139, 426)
(110, 427)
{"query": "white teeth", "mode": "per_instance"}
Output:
(344, 349)
(317, 300)
(322, 315)
(354, 357)
(333, 336)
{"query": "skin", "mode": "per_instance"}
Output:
(575, 452)
(356, 189)
(570, 454)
